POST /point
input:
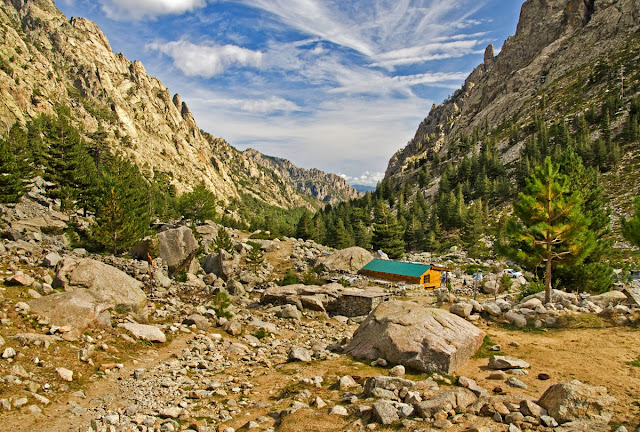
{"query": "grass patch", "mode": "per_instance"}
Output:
(581, 321)
(485, 350)
(635, 363)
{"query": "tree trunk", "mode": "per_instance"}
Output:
(547, 282)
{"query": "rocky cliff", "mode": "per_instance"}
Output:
(46, 59)
(328, 188)
(556, 43)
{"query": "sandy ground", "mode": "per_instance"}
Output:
(593, 356)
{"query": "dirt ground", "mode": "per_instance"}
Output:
(593, 356)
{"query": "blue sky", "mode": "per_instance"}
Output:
(338, 85)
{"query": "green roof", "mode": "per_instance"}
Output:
(397, 267)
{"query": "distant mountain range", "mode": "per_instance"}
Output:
(363, 188)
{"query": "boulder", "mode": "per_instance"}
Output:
(422, 338)
(575, 401)
(108, 284)
(91, 288)
(385, 412)
(176, 247)
(386, 383)
(145, 332)
(20, 279)
(51, 260)
(515, 318)
(492, 309)
(611, 298)
(490, 287)
(289, 311)
(461, 309)
(349, 260)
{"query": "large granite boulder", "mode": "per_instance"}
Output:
(91, 288)
(611, 298)
(349, 260)
(422, 338)
(573, 401)
(176, 247)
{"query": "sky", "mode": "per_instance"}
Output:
(338, 85)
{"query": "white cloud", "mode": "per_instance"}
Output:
(367, 178)
(207, 60)
(138, 9)
(271, 105)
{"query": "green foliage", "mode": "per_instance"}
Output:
(15, 165)
(223, 241)
(549, 225)
(304, 227)
(262, 333)
(473, 230)
(635, 363)
(505, 282)
(485, 350)
(387, 232)
(290, 278)
(221, 303)
(631, 227)
(533, 287)
(310, 277)
(123, 213)
(198, 205)
(255, 257)
(181, 276)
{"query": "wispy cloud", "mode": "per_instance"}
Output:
(206, 60)
(367, 178)
(138, 9)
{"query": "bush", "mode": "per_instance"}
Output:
(220, 303)
(290, 278)
(533, 287)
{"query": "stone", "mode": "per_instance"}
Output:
(532, 303)
(385, 412)
(397, 371)
(299, 354)
(200, 321)
(349, 260)
(573, 400)
(346, 382)
(530, 408)
(515, 382)
(505, 362)
(457, 399)
(51, 260)
(516, 319)
(176, 247)
(145, 332)
(339, 410)
(422, 338)
(20, 279)
(497, 375)
(461, 309)
(289, 311)
(170, 412)
(492, 309)
(65, 374)
(390, 384)
(548, 421)
(233, 327)
(91, 288)
(8, 353)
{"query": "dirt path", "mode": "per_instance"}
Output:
(57, 416)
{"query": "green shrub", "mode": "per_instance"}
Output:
(290, 278)
(221, 303)
(533, 287)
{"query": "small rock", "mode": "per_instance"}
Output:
(65, 374)
(397, 371)
(346, 382)
(548, 421)
(319, 403)
(339, 410)
(145, 332)
(8, 353)
(515, 382)
(299, 354)
(385, 412)
(504, 362)
(543, 376)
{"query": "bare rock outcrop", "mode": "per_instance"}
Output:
(349, 260)
(418, 337)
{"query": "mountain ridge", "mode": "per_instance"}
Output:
(51, 60)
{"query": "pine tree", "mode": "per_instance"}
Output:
(549, 225)
(304, 228)
(14, 166)
(255, 257)
(198, 205)
(343, 239)
(631, 227)
(387, 233)
(223, 241)
(473, 230)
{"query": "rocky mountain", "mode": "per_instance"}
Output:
(328, 188)
(48, 60)
(566, 55)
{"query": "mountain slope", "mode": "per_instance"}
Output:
(565, 55)
(47, 60)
